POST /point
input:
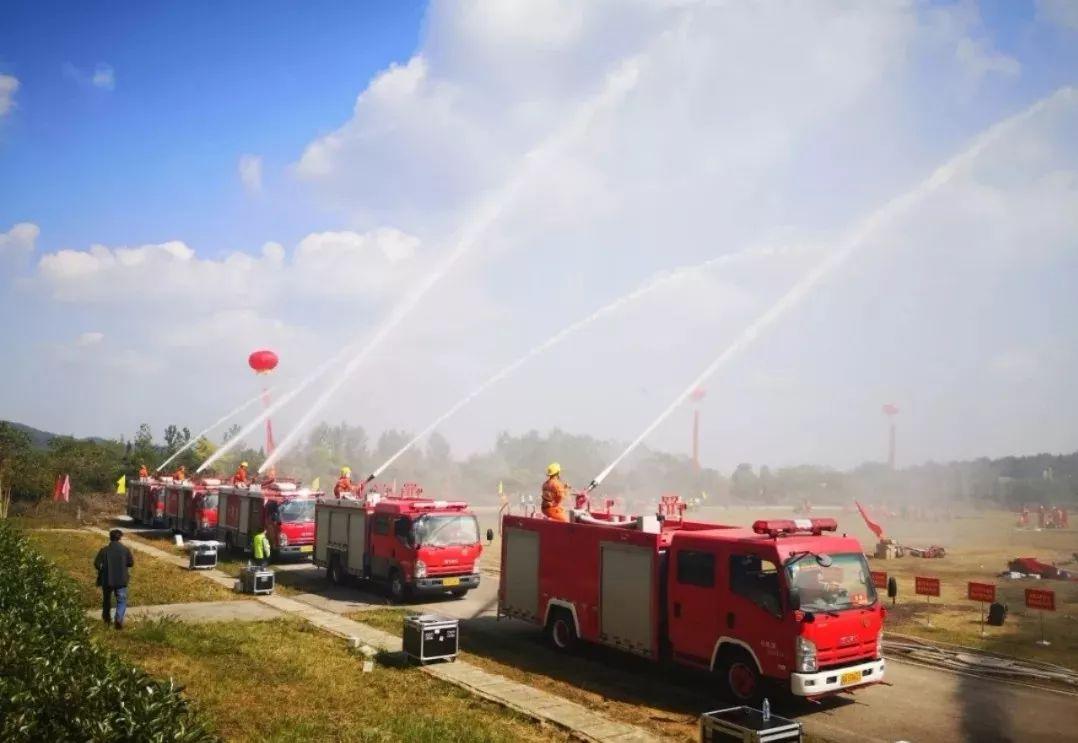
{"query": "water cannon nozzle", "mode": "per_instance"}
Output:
(591, 486)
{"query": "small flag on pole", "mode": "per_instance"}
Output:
(316, 483)
(121, 485)
(62, 492)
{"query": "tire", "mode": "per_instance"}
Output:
(229, 545)
(561, 631)
(399, 591)
(740, 678)
(334, 571)
(458, 593)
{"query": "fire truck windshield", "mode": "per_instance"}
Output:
(293, 511)
(444, 530)
(844, 584)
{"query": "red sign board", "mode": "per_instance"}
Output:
(985, 592)
(926, 586)
(1041, 598)
(879, 578)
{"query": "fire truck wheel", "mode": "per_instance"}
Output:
(398, 589)
(229, 546)
(561, 633)
(458, 593)
(740, 677)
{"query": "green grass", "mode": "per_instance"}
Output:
(152, 581)
(285, 681)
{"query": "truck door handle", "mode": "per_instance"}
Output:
(677, 610)
(729, 620)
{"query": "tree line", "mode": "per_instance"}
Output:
(29, 467)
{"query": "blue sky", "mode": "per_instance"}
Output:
(181, 183)
(197, 84)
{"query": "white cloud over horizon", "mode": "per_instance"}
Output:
(748, 125)
(102, 76)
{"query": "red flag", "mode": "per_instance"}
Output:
(62, 491)
(872, 525)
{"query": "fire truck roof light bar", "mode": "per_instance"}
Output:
(780, 527)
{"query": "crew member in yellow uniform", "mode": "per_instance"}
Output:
(260, 547)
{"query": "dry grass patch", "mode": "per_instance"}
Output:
(285, 681)
(152, 581)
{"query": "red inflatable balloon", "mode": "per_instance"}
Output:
(263, 361)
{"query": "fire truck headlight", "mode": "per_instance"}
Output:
(420, 569)
(282, 538)
(805, 656)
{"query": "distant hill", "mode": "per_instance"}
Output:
(38, 439)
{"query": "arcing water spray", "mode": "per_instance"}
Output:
(227, 416)
(846, 248)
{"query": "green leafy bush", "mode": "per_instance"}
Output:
(55, 683)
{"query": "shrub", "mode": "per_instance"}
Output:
(56, 684)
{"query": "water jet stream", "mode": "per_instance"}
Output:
(838, 256)
(207, 429)
(661, 279)
(618, 85)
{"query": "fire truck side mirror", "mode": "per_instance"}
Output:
(892, 588)
(795, 599)
(490, 536)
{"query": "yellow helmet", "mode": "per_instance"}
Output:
(243, 464)
(346, 470)
(553, 469)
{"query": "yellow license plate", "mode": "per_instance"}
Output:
(450, 581)
(850, 678)
(306, 548)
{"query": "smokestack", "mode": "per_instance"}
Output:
(697, 395)
(891, 410)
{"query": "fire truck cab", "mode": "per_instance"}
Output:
(191, 507)
(409, 544)
(783, 601)
(285, 509)
(146, 501)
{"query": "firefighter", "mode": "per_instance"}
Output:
(179, 474)
(260, 547)
(241, 474)
(142, 471)
(344, 482)
(553, 494)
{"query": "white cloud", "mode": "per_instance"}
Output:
(365, 267)
(89, 338)
(9, 85)
(250, 170)
(17, 245)
(979, 60)
(1061, 12)
(102, 76)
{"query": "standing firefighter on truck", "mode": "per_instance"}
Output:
(553, 494)
(240, 478)
(344, 482)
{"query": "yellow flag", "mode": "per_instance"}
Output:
(121, 485)
(501, 487)
(316, 483)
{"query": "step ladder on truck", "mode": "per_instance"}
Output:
(785, 601)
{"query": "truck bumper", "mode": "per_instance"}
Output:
(837, 679)
(441, 583)
(297, 550)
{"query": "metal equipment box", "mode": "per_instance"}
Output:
(431, 637)
(203, 556)
(254, 579)
(747, 725)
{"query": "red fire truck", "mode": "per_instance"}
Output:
(191, 507)
(783, 601)
(407, 543)
(146, 501)
(282, 506)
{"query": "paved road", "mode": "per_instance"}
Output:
(923, 705)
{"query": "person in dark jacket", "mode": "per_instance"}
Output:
(112, 563)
